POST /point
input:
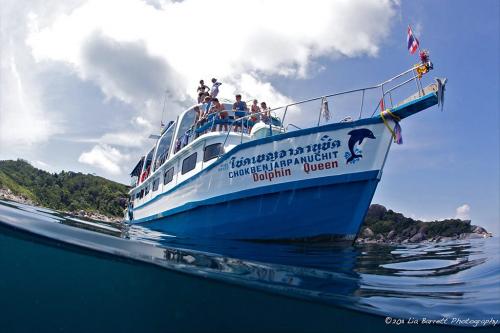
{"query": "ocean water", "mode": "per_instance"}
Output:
(64, 274)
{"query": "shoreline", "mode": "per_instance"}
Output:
(7, 194)
(366, 235)
(436, 239)
(384, 226)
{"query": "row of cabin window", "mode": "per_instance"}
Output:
(167, 140)
(188, 164)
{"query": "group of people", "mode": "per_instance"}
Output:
(211, 109)
(204, 91)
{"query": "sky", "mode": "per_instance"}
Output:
(83, 82)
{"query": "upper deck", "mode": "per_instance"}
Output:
(189, 145)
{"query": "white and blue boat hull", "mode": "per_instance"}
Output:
(292, 186)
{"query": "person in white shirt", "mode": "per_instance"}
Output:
(215, 88)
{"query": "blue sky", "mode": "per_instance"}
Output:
(82, 82)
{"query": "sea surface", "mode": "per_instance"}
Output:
(64, 274)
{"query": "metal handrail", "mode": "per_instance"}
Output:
(380, 85)
(384, 92)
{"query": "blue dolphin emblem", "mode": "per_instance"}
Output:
(357, 136)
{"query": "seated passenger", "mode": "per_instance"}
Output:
(185, 138)
(177, 145)
(240, 110)
(218, 110)
(265, 116)
(255, 114)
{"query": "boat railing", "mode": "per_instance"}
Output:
(213, 120)
(413, 74)
(386, 90)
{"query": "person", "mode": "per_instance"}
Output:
(198, 113)
(201, 96)
(198, 121)
(219, 112)
(202, 89)
(266, 114)
(207, 104)
(198, 117)
(240, 110)
(215, 88)
(210, 112)
(204, 111)
(255, 114)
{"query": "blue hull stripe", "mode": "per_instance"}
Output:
(315, 212)
(295, 185)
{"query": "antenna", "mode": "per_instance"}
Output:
(163, 110)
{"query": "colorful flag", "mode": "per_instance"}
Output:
(412, 41)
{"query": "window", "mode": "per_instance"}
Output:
(163, 147)
(183, 133)
(142, 193)
(212, 151)
(138, 195)
(147, 165)
(146, 190)
(156, 183)
(168, 176)
(189, 163)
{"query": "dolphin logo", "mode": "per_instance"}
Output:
(357, 136)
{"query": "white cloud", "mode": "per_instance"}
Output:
(136, 52)
(463, 212)
(124, 139)
(142, 122)
(42, 165)
(104, 157)
(23, 120)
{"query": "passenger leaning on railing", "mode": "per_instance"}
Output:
(240, 110)
(219, 112)
(207, 104)
(202, 113)
(198, 120)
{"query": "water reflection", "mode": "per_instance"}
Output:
(457, 277)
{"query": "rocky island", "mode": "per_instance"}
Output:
(383, 225)
(92, 197)
(74, 193)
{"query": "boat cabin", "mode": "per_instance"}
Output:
(187, 146)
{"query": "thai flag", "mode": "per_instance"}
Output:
(412, 41)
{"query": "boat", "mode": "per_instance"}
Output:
(272, 180)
